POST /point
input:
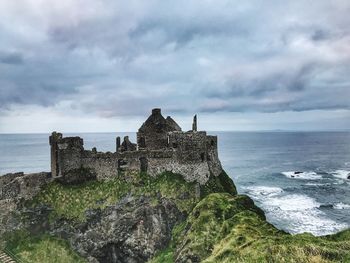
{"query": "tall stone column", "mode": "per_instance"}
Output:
(55, 136)
(117, 144)
(194, 124)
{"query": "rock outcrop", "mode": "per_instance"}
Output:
(15, 188)
(130, 231)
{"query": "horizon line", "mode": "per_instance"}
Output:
(273, 130)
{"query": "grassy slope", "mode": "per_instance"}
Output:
(221, 227)
(226, 228)
(43, 248)
(71, 202)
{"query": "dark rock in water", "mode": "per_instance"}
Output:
(326, 206)
(348, 176)
(292, 176)
(298, 172)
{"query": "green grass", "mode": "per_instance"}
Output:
(71, 201)
(226, 228)
(218, 184)
(44, 248)
(221, 226)
(165, 256)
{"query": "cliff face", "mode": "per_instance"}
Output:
(130, 231)
(140, 218)
(126, 219)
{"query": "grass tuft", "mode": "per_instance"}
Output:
(43, 248)
(72, 201)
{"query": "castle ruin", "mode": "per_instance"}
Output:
(161, 146)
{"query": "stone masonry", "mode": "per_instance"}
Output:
(161, 146)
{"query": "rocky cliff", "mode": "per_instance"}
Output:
(139, 218)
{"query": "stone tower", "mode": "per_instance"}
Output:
(194, 124)
(153, 134)
(55, 136)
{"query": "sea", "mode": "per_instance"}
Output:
(300, 179)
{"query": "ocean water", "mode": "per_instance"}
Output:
(298, 178)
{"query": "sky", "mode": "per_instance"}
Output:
(102, 65)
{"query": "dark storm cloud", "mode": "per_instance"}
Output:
(282, 91)
(261, 87)
(12, 58)
(319, 35)
(110, 58)
(32, 93)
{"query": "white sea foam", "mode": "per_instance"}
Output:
(342, 174)
(298, 213)
(302, 175)
(302, 214)
(264, 191)
(317, 184)
(341, 206)
(294, 202)
(310, 220)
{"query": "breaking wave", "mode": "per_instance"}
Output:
(298, 213)
(342, 174)
(302, 175)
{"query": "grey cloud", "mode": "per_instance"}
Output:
(183, 31)
(11, 58)
(283, 91)
(319, 35)
(124, 60)
(32, 93)
(258, 87)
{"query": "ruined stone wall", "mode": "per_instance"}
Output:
(104, 165)
(69, 157)
(133, 159)
(109, 165)
(168, 161)
(198, 172)
(53, 140)
(192, 154)
(191, 147)
(72, 157)
(152, 139)
(213, 156)
(153, 134)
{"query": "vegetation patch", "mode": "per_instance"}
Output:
(167, 255)
(225, 228)
(44, 248)
(71, 201)
(218, 184)
(221, 226)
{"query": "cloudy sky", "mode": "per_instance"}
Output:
(101, 65)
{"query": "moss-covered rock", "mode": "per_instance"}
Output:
(213, 225)
(225, 228)
(218, 184)
(210, 221)
(72, 201)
